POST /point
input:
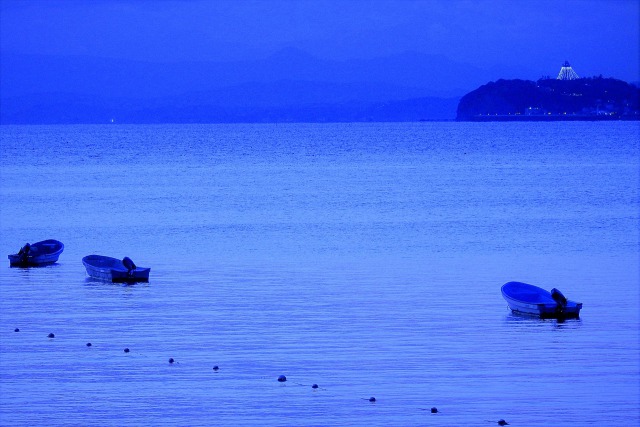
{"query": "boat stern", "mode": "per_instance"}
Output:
(124, 276)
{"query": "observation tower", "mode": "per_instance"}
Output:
(567, 73)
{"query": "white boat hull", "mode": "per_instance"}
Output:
(113, 270)
(531, 300)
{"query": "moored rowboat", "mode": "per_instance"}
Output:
(114, 270)
(532, 300)
(37, 254)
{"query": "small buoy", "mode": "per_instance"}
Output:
(16, 330)
(171, 360)
(314, 386)
(126, 350)
(282, 378)
(372, 399)
(503, 423)
(434, 410)
(51, 335)
(215, 368)
(88, 344)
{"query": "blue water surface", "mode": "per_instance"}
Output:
(366, 258)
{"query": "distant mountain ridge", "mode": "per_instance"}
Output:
(40, 73)
(287, 86)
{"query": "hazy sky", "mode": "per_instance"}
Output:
(596, 36)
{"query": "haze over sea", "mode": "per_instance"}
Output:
(366, 258)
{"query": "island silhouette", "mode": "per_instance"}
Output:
(549, 99)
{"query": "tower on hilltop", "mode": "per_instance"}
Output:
(567, 73)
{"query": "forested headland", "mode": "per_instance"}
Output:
(594, 98)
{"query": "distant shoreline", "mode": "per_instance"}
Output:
(548, 118)
(478, 119)
(584, 99)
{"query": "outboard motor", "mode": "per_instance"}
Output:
(129, 264)
(558, 297)
(24, 252)
(561, 302)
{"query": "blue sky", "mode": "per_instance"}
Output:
(533, 36)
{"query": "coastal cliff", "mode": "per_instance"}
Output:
(548, 99)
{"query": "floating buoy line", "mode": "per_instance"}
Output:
(283, 379)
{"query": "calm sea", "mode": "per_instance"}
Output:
(364, 258)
